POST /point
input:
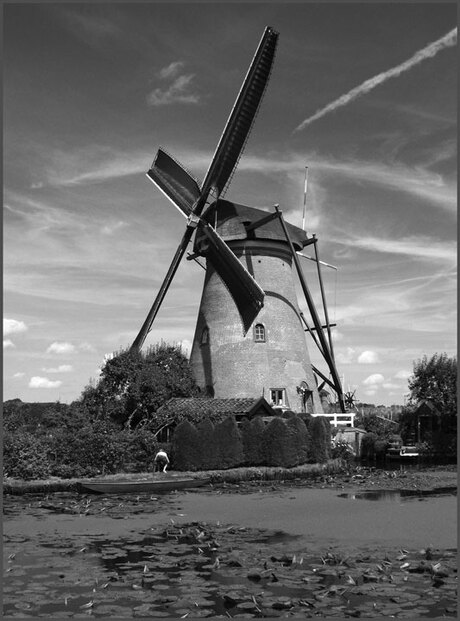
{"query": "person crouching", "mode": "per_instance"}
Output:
(161, 461)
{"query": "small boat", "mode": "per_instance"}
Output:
(402, 452)
(142, 486)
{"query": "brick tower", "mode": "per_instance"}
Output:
(272, 358)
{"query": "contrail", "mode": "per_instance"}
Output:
(448, 40)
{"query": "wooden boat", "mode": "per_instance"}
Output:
(140, 486)
(402, 452)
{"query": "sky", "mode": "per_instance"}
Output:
(364, 94)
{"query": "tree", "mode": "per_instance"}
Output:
(252, 433)
(435, 380)
(228, 443)
(134, 384)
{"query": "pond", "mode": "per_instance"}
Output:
(312, 552)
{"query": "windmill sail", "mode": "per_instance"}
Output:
(174, 181)
(242, 116)
(245, 291)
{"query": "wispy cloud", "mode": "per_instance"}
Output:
(448, 40)
(421, 247)
(368, 357)
(8, 344)
(178, 88)
(62, 368)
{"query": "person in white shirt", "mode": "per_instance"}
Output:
(161, 461)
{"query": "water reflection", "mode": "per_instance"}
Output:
(400, 495)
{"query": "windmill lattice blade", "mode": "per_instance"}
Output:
(242, 116)
(245, 291)
(140, 338)
(174, 181)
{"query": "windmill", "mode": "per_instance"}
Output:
(350, 401)
(248, 297)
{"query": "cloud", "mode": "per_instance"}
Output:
(178, 91)
(8, 344)
(18, 375)
(448, 40)
(86, 347)
(368, 357)
(62, 368)
(61, 348)
(403, 374)
(345, 357)
(109, 229)
(391, 386)
(12, 326)
(373, 380)
(43, 382)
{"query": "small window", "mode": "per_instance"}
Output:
(278, 396)
(259, 333)
(205, 336)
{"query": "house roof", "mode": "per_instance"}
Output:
(196, 409)
(427, 408)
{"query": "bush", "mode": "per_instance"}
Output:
(299, 438)
(368, 445)
(320, 443)
(276, 443)
(229, 447)
(207, 445)
(185, 447)
(252, 433)
(25, 456)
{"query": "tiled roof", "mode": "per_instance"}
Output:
(204, 405)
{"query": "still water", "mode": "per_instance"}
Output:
(77, 555)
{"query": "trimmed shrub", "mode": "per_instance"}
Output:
(320, 444)
(299, 438)
(207, 445)
(229, 446)
(276, 442)
(185, 447)
(252, 433)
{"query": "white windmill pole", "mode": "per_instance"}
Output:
(305, 197)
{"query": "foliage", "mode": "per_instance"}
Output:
(368, 445)
(374, 423)
(229, 446)
(276, 443)
(435, 380)
(252, 432)
(134, 384)
(299, 438)
(25, 456)
(208, 458)
(342, 450)
(320, 439)
(185, 447)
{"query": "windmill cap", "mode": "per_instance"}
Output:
(231, 219)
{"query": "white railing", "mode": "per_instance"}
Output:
(338, 418)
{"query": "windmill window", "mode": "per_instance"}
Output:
(259, 333)
(205, 336)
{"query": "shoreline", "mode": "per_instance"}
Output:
(333, 474)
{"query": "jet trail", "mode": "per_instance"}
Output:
(448, 40)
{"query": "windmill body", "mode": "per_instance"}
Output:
(271, 358)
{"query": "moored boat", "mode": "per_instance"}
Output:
(127, 486)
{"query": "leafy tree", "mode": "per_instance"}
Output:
(435, 380)
(134, 384)
(276, 441)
